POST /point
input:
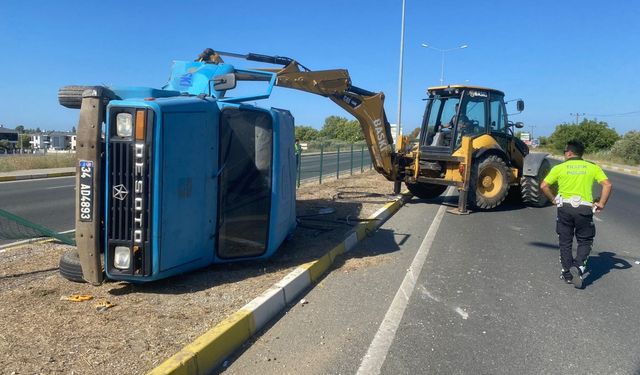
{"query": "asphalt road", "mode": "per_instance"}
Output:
(48, 202)
(486, 300)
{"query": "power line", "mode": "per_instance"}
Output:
(615, 114)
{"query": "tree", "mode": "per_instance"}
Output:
(306, 133)
(4, 145)
(20, 128)
(73, 129)
(339, 128)
(596, 135)
(628, 148)
(544, 141)
(24, 141)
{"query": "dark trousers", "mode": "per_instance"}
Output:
(576, 222)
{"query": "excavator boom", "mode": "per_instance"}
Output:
(367, 107)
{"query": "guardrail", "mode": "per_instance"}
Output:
(340, 161)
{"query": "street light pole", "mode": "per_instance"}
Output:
(442, 51)
(396, 184)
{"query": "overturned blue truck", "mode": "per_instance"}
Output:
(174, 179)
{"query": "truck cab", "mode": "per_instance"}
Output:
(189, 176)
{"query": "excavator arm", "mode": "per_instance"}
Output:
(367, 107)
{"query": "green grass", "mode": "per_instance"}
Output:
(25, 162)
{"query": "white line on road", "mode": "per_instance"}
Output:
(58, 187)
(377, 353)
(30, 240)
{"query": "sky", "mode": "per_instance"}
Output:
(561, 57)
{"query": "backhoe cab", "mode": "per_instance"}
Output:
(467, 141)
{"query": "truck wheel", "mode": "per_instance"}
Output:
(489, 185)
(71, 96)
(426, 191)
(70, 267)
(530, 190)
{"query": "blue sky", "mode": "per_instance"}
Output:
(561, 57)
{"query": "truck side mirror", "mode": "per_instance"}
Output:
(520, 105)
(224, 82)
(519, 125)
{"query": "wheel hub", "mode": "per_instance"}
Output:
(487, 181)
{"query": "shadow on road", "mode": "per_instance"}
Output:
(545, 245)
(600, 265)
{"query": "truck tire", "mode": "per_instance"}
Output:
(426, 191)
(71, 96)
(489, 184)
(530, 190)
(70, 267)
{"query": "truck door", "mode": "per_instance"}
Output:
(246, 144)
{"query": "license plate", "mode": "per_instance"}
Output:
(85, 193)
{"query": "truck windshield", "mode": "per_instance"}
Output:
(441, 120)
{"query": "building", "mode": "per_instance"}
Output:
(40, 141)
(10, 136)
(53, 141)
(394, 130)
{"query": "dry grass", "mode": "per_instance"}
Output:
(24, 162)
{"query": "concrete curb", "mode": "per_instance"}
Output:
(629, 171)
(208, 351)
(37, 175)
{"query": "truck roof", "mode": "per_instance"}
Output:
(462, 87)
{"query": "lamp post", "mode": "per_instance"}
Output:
(396, 184)
(442, 51)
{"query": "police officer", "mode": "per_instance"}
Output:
(575, 178)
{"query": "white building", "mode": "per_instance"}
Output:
(54, 141)
(40, 141)
(394, 131)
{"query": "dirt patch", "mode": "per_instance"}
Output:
(41, 333)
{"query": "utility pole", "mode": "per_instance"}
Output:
(577, 116)
(532, 127)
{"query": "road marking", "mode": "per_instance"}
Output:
(58, 187)
(34, 179)
(377, 353)
(30, 240)
(462, 313)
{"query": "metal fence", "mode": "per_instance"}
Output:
(332, 161)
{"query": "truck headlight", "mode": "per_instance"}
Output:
(122, 257)
(124, 124)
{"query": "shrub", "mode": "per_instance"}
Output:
(595, 135)
(628, 148)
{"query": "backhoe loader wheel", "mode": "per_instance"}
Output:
(426, 191)
(489, 185)
(70, 267)
(530, 190)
